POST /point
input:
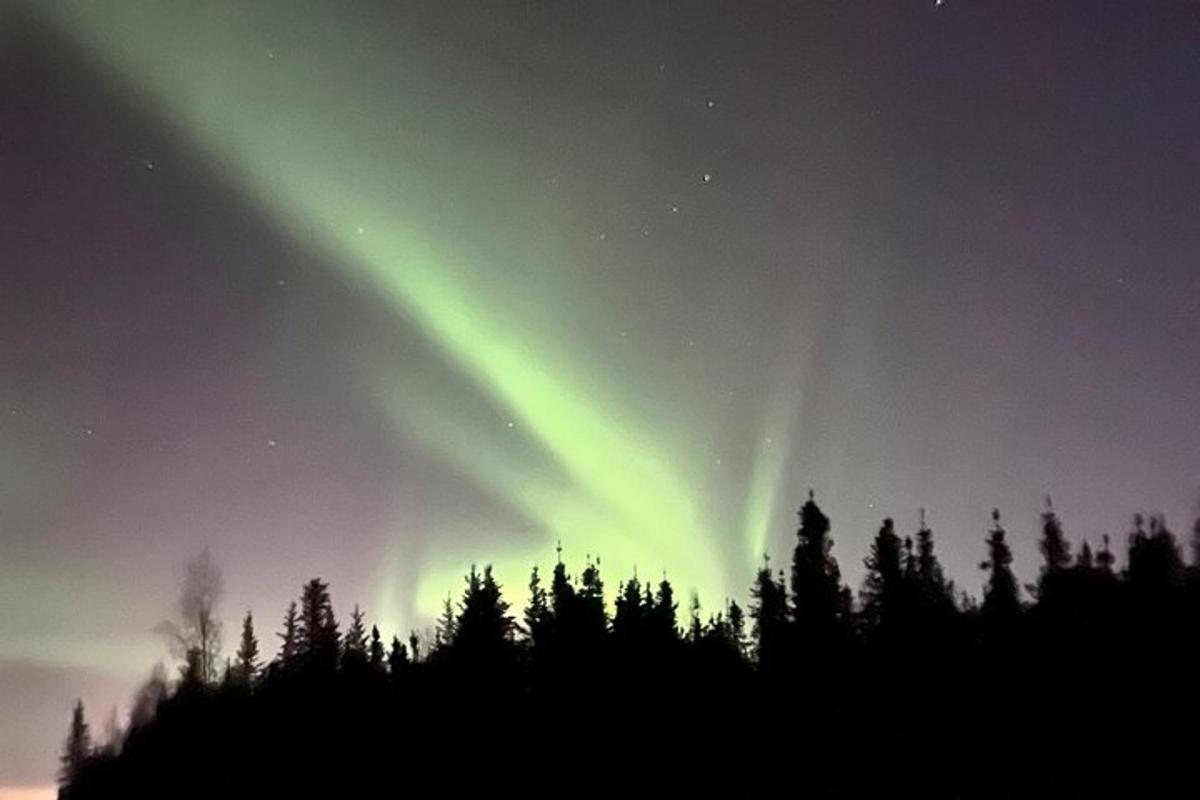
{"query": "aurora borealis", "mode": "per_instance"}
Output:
(376, 290)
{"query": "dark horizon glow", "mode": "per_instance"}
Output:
(373, 291)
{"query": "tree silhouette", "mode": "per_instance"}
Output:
(882, 586)
(1001, 601)
(446, 629)
(317, 630)
(78, 747)
(289, 637)
(376, 655)
(196, 637)
(245, 670)
(397, 659)
(538, 616)
(828, 698)
(819, 601)
(769, 611)
(354, 641)
(632, 611)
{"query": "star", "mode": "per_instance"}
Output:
(148, 164)
(710, 104)
(674, 209)
(271, 442)
(511, 424)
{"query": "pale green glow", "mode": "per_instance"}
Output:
(52, 633)
(309, 149)
(584, 524)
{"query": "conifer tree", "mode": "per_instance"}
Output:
(483, 636)
(593, 617)
(1001, 602)
(397, 659)
(354, 641)
(447, 625)
(881, 586)
(290, 635)
(629, 620)
(929, 570)
(1056, 552)
(663, 620)
(1105, 558)
(737, 626)
(1155, 563)
(317, 631)
(819, 601)
(1084, 559)
(562, 596)
(78, 747)
(246, 669)
(768, 610)
(538, 617)
(376, 654)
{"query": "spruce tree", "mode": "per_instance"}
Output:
(1001, 602)
(1155, 563)
(77, 749)
(737, 626)
(246, 669)
(538, 617)
(483, 638)
(819, 601)
(928, 567)
(397, 659)
(562, 597)
(881, 586)
(629, 620)
(769, 611)
(663, 622)
(290, 635)
(376, 654)
(1056, 552)
(317, 632)
(354, 641)
(447, 625)
(1084, 559)
(593, 617)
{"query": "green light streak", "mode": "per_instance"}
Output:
(311, 152)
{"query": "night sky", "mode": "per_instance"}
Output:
(374, 290)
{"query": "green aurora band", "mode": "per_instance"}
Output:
(627, 480)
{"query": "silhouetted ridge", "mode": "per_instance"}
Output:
(906, 690)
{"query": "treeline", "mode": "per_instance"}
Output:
(1087, 688)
